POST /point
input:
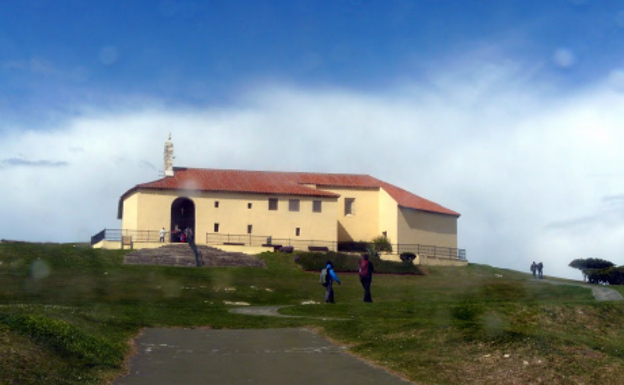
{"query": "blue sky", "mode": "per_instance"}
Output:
(58, 54)
(509, 112)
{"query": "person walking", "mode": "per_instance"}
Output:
(366, 270)
(534, 269)
(540, 268)
(329, 283)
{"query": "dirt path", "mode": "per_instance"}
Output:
(601, 293)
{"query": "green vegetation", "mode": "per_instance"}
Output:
(382, 243)
(311, 261)
(599, 271)
(67, 315)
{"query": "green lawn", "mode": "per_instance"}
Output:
(67, 315)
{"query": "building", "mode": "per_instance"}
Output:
(264, 208)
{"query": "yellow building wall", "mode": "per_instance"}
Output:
(130, 212)
(388, 216)
(233, 216)
(152, 210)
(420, 227)
(364, 224)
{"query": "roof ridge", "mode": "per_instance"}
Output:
(268, 171)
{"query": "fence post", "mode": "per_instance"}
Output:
(435, 251)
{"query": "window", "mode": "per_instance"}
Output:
(216, 227)
(217, 204)
(272, 203)
(293, 205)
(297, 231)
(248, 205)
(317, 206)
(349, 206)
(249, 229)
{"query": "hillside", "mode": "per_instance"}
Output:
(67, 315)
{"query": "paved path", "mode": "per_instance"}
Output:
(236, 357)
(601, 293)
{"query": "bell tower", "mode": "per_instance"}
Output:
(168, 157)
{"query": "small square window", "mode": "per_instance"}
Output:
(293, 205)
(297, 231)
(249, 229)
(216, 227)
(272, 203)
(349, 206)
(248, 205)
(317, 206)
(217, 204)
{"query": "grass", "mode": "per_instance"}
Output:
(67, 315)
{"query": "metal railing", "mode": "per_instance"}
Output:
(304, 244)
(265, 240)
(142, 236)
(138, 236)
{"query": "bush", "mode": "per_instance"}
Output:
(313, 261)
(609, 275)
(382, 243)
(353, 246)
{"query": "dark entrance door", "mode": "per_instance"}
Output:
(182, 217)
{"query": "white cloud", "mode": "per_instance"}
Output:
(529, 170)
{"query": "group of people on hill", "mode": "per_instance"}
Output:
(537, 270)
(365, 270)
(177, 235)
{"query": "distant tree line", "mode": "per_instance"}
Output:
(599, 271)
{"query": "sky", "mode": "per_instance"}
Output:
(508, 112)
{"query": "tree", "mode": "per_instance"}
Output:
(593, 267)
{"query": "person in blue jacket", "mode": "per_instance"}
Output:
(331, 277)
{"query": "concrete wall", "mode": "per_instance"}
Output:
(424, 228)
(433, 261)
(425, 260)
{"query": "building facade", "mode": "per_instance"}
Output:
(304, 209)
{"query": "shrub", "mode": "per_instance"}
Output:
(408, 257)
(609, 275)
(313, 261)
(353, 246)
(382, 243)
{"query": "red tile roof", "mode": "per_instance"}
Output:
(282, 183)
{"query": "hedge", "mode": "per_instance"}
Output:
(315, 261)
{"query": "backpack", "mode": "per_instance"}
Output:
(323, 280)
(364, 268)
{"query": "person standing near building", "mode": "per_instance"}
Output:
(366, 270)
(162, 235)
(329, 282)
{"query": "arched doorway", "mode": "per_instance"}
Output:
(182, 217)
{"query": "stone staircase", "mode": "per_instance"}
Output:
(181, 254)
